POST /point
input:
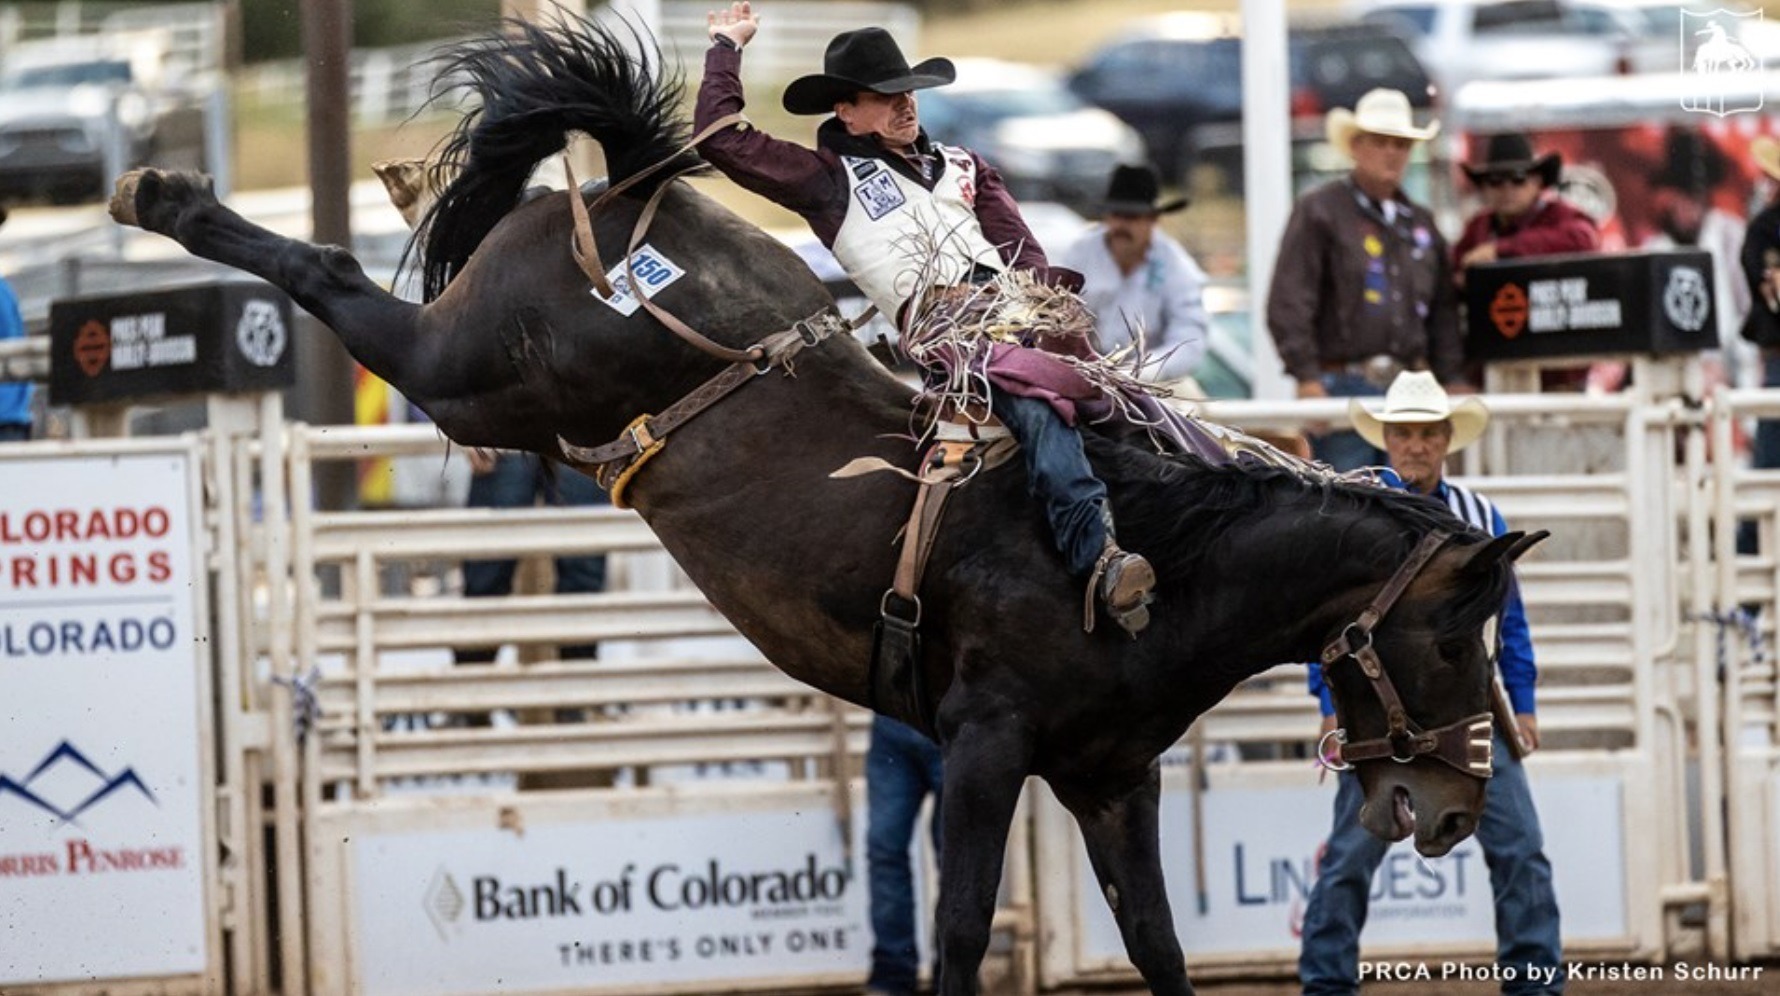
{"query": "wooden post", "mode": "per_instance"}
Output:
(327, 367)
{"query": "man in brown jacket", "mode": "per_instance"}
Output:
(1363, 288)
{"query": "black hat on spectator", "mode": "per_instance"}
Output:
(866, 59)
(1136, 190)
(1512, 154)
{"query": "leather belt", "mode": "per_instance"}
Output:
(1378, 370)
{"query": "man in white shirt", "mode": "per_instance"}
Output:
(1136, 277)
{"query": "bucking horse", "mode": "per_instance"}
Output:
(738, 379)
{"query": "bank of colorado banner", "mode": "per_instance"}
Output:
(101, 860)
(693, 900)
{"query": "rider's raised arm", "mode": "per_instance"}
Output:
(783, 172)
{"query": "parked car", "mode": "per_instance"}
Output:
(1172, 76)
(1047, 143)
(67, 117)
(1464, 40)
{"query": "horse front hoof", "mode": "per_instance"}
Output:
(123, 197)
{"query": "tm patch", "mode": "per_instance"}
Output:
(880, 195)
(653, 272)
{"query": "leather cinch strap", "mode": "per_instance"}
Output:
(776, 351)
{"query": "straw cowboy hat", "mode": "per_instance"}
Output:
(1379, 112)
(1765, 150)
(1416, 397)
(1512, 154)
(1137, 190)
(866, 59)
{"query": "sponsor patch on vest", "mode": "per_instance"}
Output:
(653, 271)
(862, 168)
(880, 195)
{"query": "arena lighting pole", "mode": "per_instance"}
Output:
(326, 368)
(1266, 174)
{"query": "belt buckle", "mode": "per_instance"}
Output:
(1380, 370)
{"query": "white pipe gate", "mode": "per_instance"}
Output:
(552, 826)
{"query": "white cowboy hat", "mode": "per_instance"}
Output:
(1416, 397)
(1380, 112)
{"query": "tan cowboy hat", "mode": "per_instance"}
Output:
(1765, 150)
(1380, 112)
(1416, 397)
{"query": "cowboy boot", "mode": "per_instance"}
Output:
(1125, 581)
(1122, 581)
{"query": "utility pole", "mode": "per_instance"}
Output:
(323, 364)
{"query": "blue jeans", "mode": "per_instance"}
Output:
(1345, 450)
(518, 480)
(901, 768)
(1520, 878)
(1058, 474)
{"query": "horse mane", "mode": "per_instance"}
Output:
(530, 85)
(1172, 508)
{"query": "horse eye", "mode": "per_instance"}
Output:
(1453, 650)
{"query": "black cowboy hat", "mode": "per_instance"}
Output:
(1513, 153)
(867, 59)
(1136, 190)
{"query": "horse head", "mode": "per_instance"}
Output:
(1411, 679)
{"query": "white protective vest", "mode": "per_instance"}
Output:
(898, 235)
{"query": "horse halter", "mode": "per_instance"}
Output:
(1465, 744)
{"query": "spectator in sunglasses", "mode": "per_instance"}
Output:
(1521, 214)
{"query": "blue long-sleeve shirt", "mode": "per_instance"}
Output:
(1515, 661)
(15, 397)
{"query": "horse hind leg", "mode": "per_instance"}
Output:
(984, 770)
(325, 280)
(1121, 833)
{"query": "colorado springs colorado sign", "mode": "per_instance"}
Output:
(102, 864)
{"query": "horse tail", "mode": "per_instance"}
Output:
(530, 86)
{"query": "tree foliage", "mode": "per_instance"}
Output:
(273, 29)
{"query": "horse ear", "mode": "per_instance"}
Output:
(1505, 547)
(1527, 542)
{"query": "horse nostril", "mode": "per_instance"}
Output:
(1457, 825)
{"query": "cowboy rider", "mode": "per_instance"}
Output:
(873, 185)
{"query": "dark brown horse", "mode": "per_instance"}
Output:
(1257, 566)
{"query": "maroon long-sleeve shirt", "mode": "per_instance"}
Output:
(1552, 226)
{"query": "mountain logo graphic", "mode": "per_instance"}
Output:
(66, 753)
